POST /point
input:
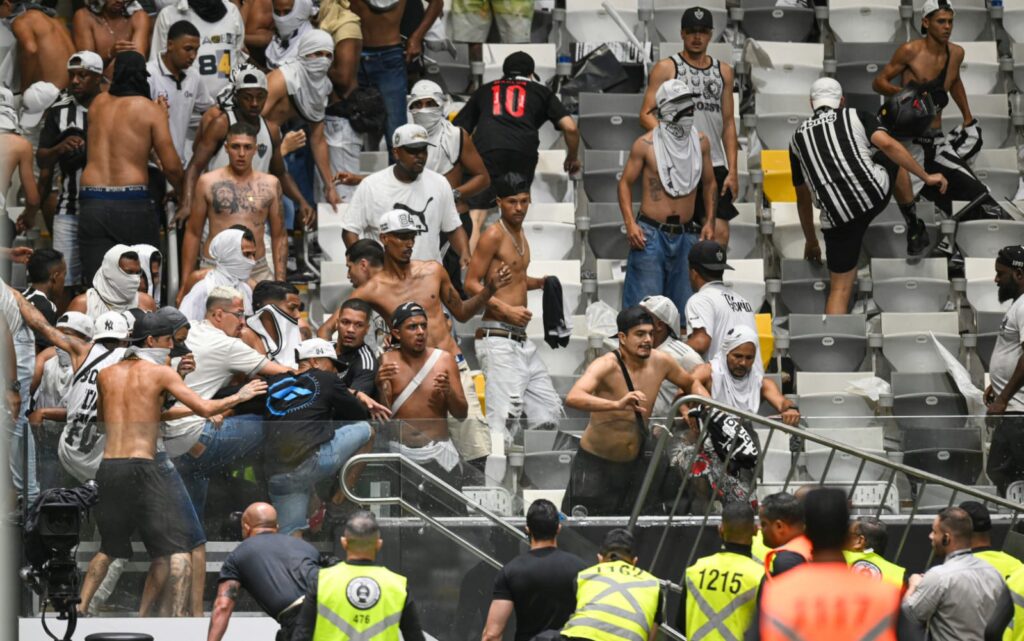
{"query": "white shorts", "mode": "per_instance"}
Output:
(471, 437)
(81, 466)
(515, 369)
(65, 240)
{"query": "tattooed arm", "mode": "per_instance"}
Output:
(223, 606)
(278, 234)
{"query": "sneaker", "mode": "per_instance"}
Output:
(917, 238)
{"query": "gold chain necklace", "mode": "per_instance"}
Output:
(520, 249)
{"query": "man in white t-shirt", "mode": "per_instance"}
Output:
(201, 446)
(221, 38)
(1004, 395)
(714, 309)
(408, 185)
(666, 339)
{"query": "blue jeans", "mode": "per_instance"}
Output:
(19, 435)
(385, 70)
(289, 491)
(236, 438)
(186, 516)
(302, 167)
(661, 268)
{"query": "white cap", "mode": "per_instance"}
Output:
(665, 310)
(317, 348)
(410, 136)
(399, 220)
(78, 322)
(826, 92)
(35, 101)
(670, 91)
(87, 60)
(111, 325)
(426, 89)
(931, 6)
(248, 76)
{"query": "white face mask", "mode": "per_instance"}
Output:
(427, 117)
(63, 358)
(286, 26)
(155, 355)
(317, 67)
(680, 128)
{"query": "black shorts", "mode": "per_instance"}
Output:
(111, 216)
(135, 496)
(942, 159)
(725, 209)
(843, 243)
(503, 161)
(603, 487)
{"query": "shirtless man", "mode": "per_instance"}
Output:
(258, 16)
(244, 104)
(932, 65)
(109, 27)
(16, 155)
(672, 161)
(711, 83)
(364, 259)
(427, 283)
(508, 358)
(44, 44)
(299, 91)
(417, 383)
(382, 62)
(135, 492)
(238, 194)
(608, 468)
(115, 206)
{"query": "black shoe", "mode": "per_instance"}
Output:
(917, 238)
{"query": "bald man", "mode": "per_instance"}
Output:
(276, 569)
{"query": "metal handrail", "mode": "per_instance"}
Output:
(442, 485)
(894, 468)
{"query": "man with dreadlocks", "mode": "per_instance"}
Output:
(124, 127)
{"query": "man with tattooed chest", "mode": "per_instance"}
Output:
(239, 195)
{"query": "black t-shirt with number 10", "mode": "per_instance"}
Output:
(506, 114)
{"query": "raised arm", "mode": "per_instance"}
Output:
(35, 320)
(141, 28)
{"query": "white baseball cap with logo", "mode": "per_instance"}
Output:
(411, 135)
(317, 348)
(662, 308)
(77, 322)
(397, 221)
(111, 325)
(87, 61)
(35, 101)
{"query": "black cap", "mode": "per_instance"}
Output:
(519, 63)
(618, 540)
(709, 255)
(152, 324)
(510, 184)
(697, 18)
(405, 311)
(174, 317)
(1011, 256)
(980, 517)
(631, 317)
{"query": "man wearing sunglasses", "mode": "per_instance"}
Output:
(672, 160)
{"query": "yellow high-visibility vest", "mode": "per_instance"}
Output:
(359, 603)
(721, 595)
(1015, 631)
(875, 565)
(614, 601)
(1005, 563)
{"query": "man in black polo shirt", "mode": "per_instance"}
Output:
(504, 116)
(360, 359)
(540, 586)
(277, 570)
(314, 424)
(46, 271)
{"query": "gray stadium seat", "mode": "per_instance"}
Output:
(454, 71)
(610, 120)
(926, 400)
(984, 238)
(826, 396)
(805, 286)
(907, 340)
(602, 170)
(819, 343)
(743, 232)
(780, 67)
(997, 168)
(778, 116)
(611, 274)
(954, 454)
(886, 236)
(607, 233)
(910, 286)
(858, 63)
(980, 69)
(776, 23)
(747, 279)
(993, 114)
(844, 467)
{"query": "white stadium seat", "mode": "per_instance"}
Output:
(886, 236)
(611, 274)
(568, 273)
(747, 279)
(788, 235)
(743, 230)
(982, 293)
(549, 240)
(826, 396)
(602, 170)
(910, 285)
(844, 467)
(784, 67)
(550, 182)
(993, 114)
(907, 340)
(997, 169)
(328, 226)
(820, 343)
(984, 238)
(864, 20)
(778, 116)
(588, 21)
(564, 361)
(1013, 21)
(768, 21)
(610, 120)
(334, 284)
(980, 69)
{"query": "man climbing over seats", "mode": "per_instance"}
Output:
(672, 161)
(512, 367)
(710, 81)
(619, 390)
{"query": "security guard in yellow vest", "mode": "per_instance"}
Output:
(357, 600)
(981, 540)
(866, 539)
(1007, 622)
(616, 600)
(719, 602)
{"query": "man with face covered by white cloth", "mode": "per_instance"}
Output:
(736, 378)
(233, 252)
(672, 160)
(288, 30)
(115, 286)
